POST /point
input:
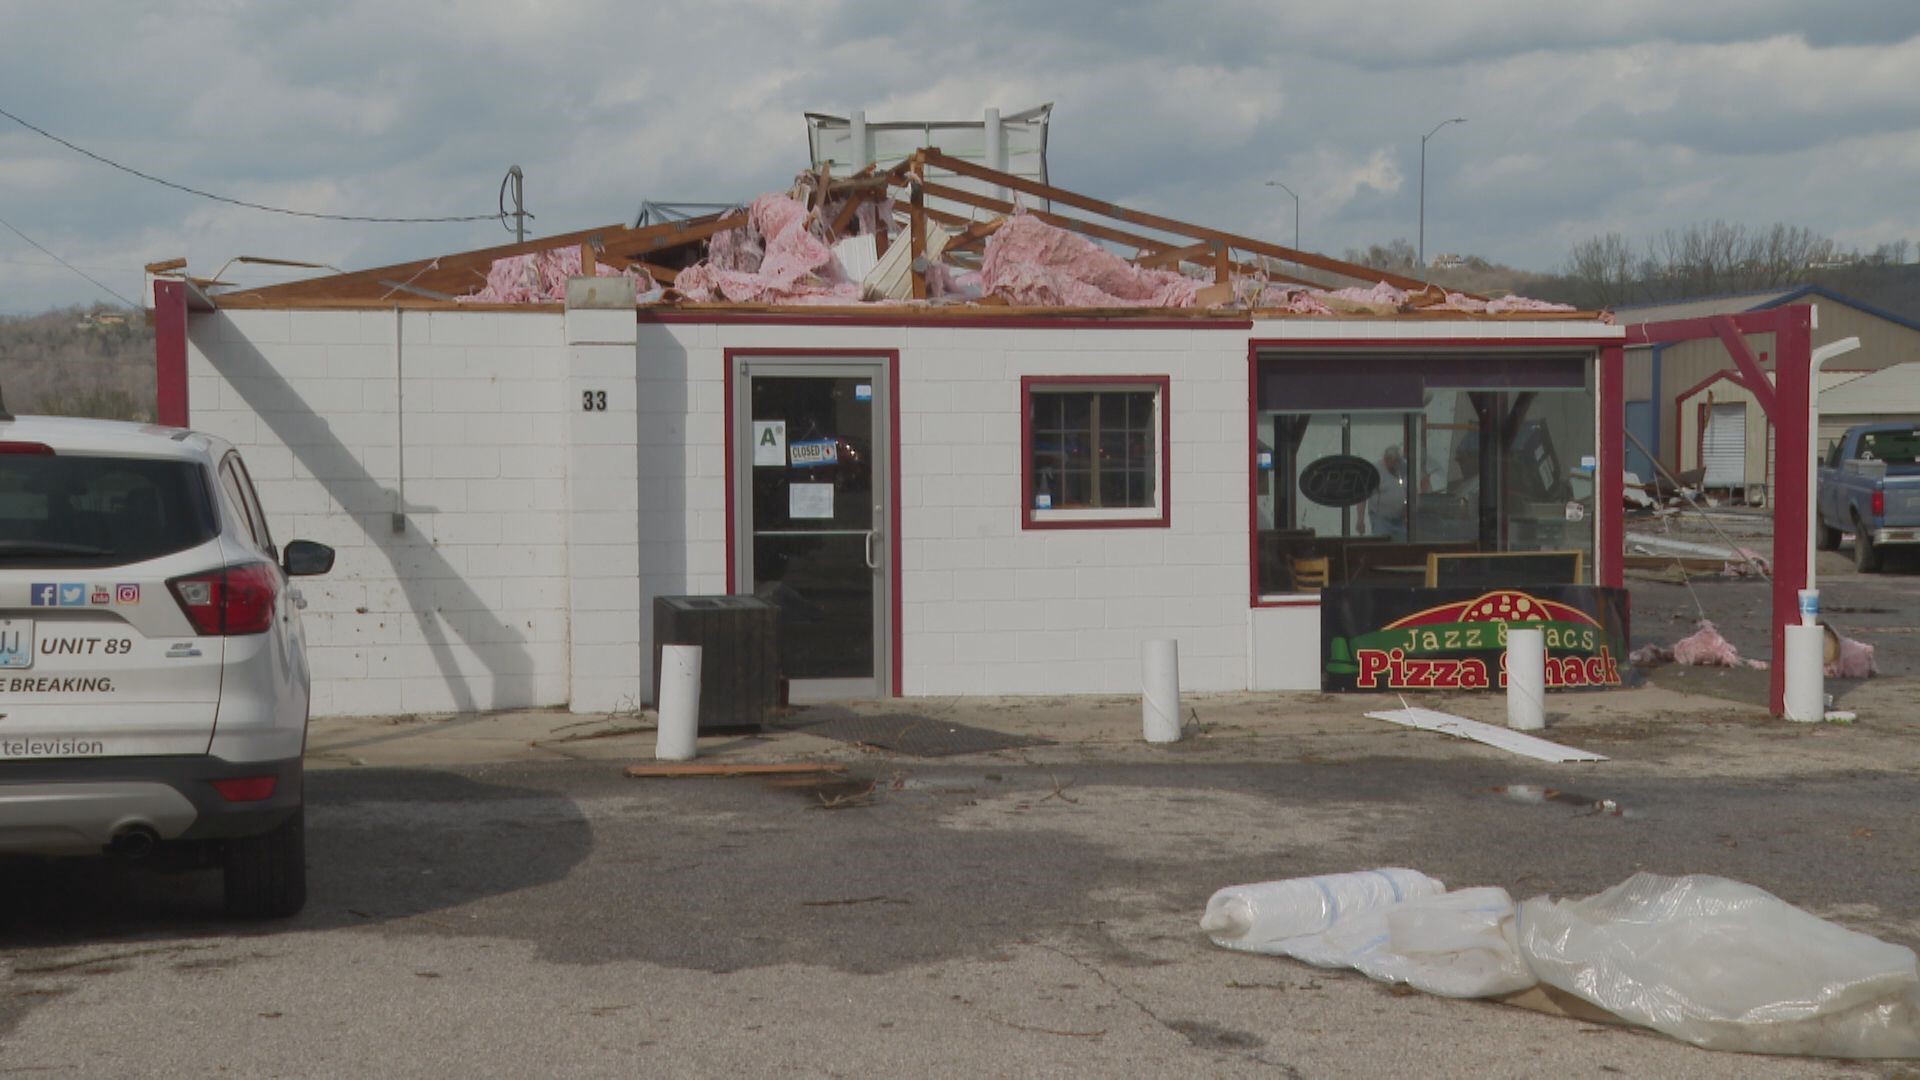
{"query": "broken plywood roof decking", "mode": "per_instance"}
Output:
(1186, 272)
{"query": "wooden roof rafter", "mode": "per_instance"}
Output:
(464, 273)
(1142, 219)
(1140, 243)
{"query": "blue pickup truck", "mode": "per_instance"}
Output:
(1870, 487)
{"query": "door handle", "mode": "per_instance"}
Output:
(871, 563)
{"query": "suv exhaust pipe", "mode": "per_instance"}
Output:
(135, 841)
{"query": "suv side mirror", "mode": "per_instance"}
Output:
(304, 558)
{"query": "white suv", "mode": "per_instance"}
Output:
(153, 674)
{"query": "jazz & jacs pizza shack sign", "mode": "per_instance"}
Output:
(1456, 639)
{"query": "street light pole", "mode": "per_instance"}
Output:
(1296, 211)
(1422, 252)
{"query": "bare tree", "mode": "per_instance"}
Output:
(1395, 255)
(1605, 272)
(1703, 259)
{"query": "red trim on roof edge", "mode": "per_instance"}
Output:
(985, 322)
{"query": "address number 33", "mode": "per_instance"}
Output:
(593, 400)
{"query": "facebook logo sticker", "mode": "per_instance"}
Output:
(45, 595)
(73, 596)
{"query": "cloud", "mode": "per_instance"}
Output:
(1336, 177)
(1637, 115)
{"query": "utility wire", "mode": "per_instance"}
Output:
(241, 202)
(67, 264)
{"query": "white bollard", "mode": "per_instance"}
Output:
(1160, 705)
(1806, 693)
(679, 703)
(1526, 678)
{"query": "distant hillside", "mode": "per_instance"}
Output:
(78, 362)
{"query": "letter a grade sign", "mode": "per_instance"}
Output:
(769, 442)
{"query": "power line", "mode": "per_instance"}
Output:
(241, 202)
(33, 263)
(67, 264)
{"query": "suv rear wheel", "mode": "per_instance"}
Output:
(266, 875)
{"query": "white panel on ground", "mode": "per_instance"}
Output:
(1500, 738)
(1723, 449)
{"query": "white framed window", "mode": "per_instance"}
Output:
(1094, 451)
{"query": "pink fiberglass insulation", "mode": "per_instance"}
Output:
(1031, 263)
(1706, 648)
(1381, 294)
(948, 283)
(1854, 660)
(540, 277)
(1385, 299)
(1517, 303)
(738, 250)
(1650, 656)
(795, 267)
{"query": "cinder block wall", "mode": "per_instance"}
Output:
(992, 608)
(468, 606)
(987, 607)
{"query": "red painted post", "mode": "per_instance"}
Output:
(170, 352)
(1792, 374)
(1609, 484)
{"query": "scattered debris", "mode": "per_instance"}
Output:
(779, 261)
(1258, 918)
(1710, 961)
(541, 278)
(1032, 263)
(848, 800)
(1500, 738)
(1702, 648)
(697, 769)
(1534, 794)
(845, 241)
(1849, 658)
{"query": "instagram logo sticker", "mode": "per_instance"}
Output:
(126, 594)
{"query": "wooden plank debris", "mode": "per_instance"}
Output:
(683, 770)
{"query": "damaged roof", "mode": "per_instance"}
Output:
(872, 240)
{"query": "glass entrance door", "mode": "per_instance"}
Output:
(810, 489)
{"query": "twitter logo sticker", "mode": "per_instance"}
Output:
(73, 595)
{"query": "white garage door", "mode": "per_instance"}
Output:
(1723, 451)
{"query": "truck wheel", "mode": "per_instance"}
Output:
(1826, 537)
(1866, 557)
(266, 875)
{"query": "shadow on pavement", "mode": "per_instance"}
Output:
(382, 844)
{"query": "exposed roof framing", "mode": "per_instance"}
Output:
(663, 249)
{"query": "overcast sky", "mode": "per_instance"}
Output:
(1630, 115)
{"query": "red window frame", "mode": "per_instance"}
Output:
(1162, 386)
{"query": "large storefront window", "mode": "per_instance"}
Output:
(1368, 464)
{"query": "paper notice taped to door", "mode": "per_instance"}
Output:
(809, 501)
(769, 442)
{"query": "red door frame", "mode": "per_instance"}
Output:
(891, 358)
(1785, 406)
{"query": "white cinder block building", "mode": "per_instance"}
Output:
(972, 499)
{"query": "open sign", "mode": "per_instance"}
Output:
(1339, 480)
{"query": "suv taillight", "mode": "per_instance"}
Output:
(1879, 504)
(231, 600)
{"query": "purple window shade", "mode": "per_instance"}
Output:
(1321, 382)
